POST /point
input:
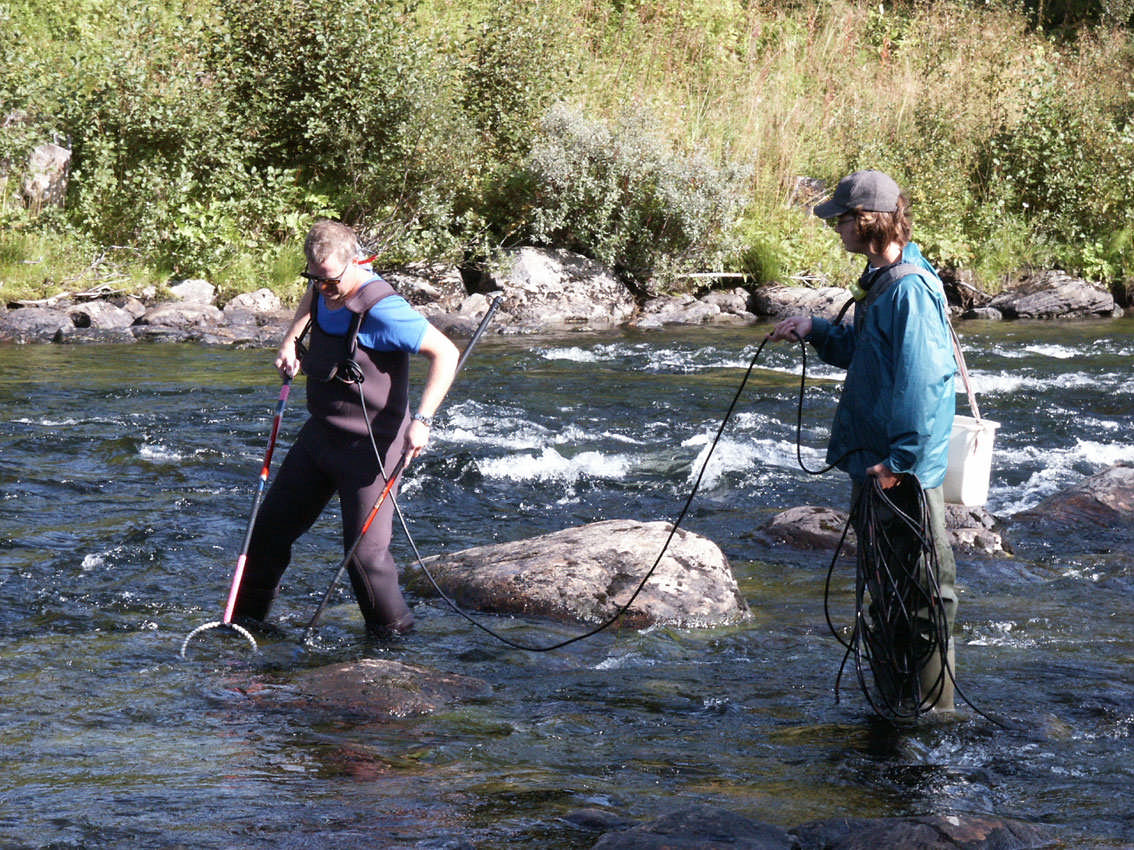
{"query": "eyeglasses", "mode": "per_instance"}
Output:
(325, 281)
(839, 221)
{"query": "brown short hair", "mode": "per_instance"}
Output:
(879, 229)
(328, 240)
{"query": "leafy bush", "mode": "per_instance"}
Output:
(356, 98)
(1071, 174)
(621, 194)
(518, 60)
(785, 243)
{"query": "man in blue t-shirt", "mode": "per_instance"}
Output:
(357, 365)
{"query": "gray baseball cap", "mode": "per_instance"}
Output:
(867, 190)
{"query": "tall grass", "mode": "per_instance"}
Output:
(920, 90)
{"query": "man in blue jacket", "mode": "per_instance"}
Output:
(891, 435)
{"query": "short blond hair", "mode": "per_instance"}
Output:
(330, 240)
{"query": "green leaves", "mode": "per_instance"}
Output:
(623, 195)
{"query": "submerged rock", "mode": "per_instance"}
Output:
(931, 832)
(698, 828)
(1096, 515)
(709, 828)
(811, 527)
(373, 688)
(584, 574)
(1105, 499)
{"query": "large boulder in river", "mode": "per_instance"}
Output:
(585, 574)
(1105, 500)
(554, 289)
(1055, 295)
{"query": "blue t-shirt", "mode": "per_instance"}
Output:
(390, 325)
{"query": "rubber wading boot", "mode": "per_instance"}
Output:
(937, 683)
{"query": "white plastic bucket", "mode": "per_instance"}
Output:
(970, 460)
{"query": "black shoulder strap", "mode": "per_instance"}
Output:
(882, 280)
(360, 303)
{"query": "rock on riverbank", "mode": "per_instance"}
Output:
(541, 291)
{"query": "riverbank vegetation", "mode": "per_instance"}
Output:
(664, 137)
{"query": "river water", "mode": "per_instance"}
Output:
(126, 475)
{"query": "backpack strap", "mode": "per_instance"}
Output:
(360, 303)
(886, 277)
(876, 284)
(884, 280)
(960, 358)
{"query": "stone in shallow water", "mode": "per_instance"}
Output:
(373, 688)
(584, 574)
(698, 828)
(931, 832)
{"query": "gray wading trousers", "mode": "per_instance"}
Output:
(324, 461)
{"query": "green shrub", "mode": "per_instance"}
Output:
(785, 243)
(623, 195)
(1070, 172)
(356, 98)
(517, 62)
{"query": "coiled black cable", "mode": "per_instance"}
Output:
(899, 619)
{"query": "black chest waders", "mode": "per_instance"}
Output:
(391, 480)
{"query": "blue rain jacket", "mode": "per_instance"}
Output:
(898, 400)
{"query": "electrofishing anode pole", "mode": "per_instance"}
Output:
(238, 573)
(390, 481)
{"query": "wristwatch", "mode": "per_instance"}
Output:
(427, 421)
